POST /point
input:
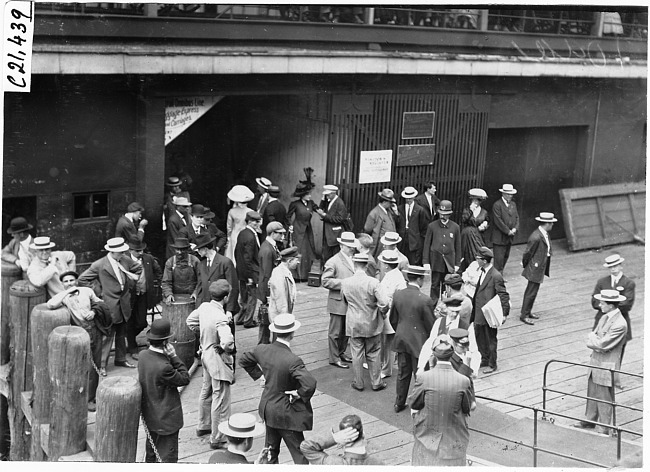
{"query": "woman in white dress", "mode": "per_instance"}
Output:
(236, 221)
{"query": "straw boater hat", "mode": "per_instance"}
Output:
(415, 270)
(610, 295)
(160, 330)
(273, 190)
(361, 258)
(173, 181)
(445, 208)
(387, 195)
(43, 242)
(390, 237)
(240, 193)
(347, 239)
(477, 193)
(613, 260)
(181, 201)
(18, 225)
(546, 217)
(241, 425)
(409, 192)
(389, 257)
(330, 189)
(116, 245)
(284, 323)
(508, 188)
(263, 182)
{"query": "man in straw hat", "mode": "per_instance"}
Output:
(47, 265)
(181, 272)
(505, 221)
(126, 224)
(285, 404)
(367, 307)
(392, 282)
(161, 372)
(412, 317)
(381, 219)
(263, 185)
(390, 242)
(536, 262)
(239, 430)
(616, 280)
(335, 217)
(177, 220)
(338, 268)
(443, 399)
(606, 342)
(18, 251)
(116, 274)
(442, 252)
(412, 226)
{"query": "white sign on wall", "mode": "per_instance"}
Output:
(181, 112)
(375, 166)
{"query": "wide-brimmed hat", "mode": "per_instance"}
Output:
(275, 227)
(361, 258)
(160, 330)
(347, 239)
(387, 195)
(180, 243)
(389, 257)
(301, 190)
(173, 181)
(508, 188)
(273, 191)
(18, 225)
(135, 206)
(390, 238)
(284, 323)
(198, 210)
(453, 279)
(241, 425)
(42, 242)
(137, 245)
(546, 217)
(263, 182)
(203, 240)
(116, 245)
(445, 208)
(330, 189)
(409, 192)
(415, 270)
(240, 193)
(610, 295)
(477, 193)
(181, 201)
(613, 260)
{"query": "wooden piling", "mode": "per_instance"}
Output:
(68, 364)
(43, 322)
(117, 420)
(23, 297)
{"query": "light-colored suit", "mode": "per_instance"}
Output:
(378, 222)
(47, 275)
(11, 253)
(337, 268)
(283, 291)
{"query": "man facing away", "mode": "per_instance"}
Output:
(239, 430)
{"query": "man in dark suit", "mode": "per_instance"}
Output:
(506, 224)
(381, 220)
(536, 262)
(334, 215)
(125, 227)
(197, 227)
(441, 252)
(412, 226)
(116, 273)
(275, 209)
(268, 257)
(285, 403)
(143, 297)
(489, 285)
(161, 372)
(246, 256)
(263, 185)
(215, 232)
(178, 219)
(412, 317)
(429, 201)
(214, 266)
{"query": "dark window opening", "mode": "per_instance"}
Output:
(90, 206)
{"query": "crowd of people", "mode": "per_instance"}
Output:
(441, 340)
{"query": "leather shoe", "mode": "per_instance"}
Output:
(250, 325)
(124, 364)
(134, 356)
(203, 432)
(533, 316)
(354, 386)
(340, 365)
(379, 387)
(489, 370)
(583, 425)
(527, 321)
(218, 445)
(398, 408)
(345, 358)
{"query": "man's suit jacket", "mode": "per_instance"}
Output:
(377, 224)
(424, 203)
(333, 220)
(606, 342)
(282, 291)
(221, 268)
(625, 287)
(336, 269)
(152, 274)
(125, 228)
(412, 317)
(367, 303)
(10, 252)
(283, 371)
(246, 251)
(117, 299)
(267, 257)
(443, 399)
(534, 260)
(491, 285)
(442, 246)
(274, 211)
(504, 218)
(174, 226)
(413, 237)
(261, 202)
(160, 378)
(222, 240)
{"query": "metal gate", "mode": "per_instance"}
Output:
(374, 122)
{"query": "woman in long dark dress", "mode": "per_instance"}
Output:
(474, 221)
(303, 235)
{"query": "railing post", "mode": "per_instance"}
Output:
(535, 436)
(599, 24)
(369, 16)
(483, 20)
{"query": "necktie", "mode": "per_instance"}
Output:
(480, 278)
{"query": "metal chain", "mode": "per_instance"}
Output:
(153, 446)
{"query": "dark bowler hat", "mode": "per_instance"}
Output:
(135, 206)
(209, 214)
(453, 279)
(160, 330)
(273, 190)
(173, 181)
(445, 208)
(18, 225)
(219, 288)
(137, 245)
(387, 195)
(180, 243)
(203, 240)
(415, 270)
(70, 272)
(198, 210)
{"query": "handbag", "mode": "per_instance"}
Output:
(493, 312)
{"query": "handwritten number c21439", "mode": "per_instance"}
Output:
(17, 14)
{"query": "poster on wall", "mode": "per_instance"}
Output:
(181, 112)
(375, 166)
